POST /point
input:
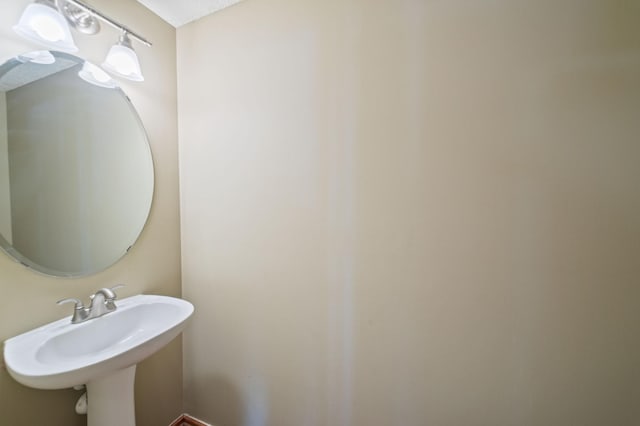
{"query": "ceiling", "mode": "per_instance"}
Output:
(178, 13)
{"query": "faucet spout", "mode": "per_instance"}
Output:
(102, 302)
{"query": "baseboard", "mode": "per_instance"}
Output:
(187, 420)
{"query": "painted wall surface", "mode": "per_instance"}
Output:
(152, 265)
(5, 190)
(412, 212)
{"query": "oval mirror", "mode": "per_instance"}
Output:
(76, 173)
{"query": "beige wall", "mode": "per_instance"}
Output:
(152, 266)
(412, 212)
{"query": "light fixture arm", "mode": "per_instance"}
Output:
(94, 12)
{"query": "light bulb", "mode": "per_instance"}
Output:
(47, 28)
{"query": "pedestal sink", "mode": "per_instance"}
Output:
(101, 353)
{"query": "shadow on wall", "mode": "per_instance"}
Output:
(20, 405)
(226, 401)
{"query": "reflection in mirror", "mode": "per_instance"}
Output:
(76, 174)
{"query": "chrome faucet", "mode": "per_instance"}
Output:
(102, 302)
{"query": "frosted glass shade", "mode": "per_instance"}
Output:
(42, 57)
(43, 24)
(123, 61)
(95, 75)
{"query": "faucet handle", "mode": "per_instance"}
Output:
(78, 302)
(79, 311)
(111, 300)
(117, 286)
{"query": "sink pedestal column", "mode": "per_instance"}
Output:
(110, 399)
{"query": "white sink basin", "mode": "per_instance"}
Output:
(61, 355)
(101, 353)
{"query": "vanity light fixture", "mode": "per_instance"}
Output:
(42, 22)
(123, 61)
(47, 22)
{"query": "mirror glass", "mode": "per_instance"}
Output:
(76, 173)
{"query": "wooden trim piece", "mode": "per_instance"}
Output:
(187, 420)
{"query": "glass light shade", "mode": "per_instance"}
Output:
(123, 61)
(95, 75)
(43, 24)
(42, 57)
